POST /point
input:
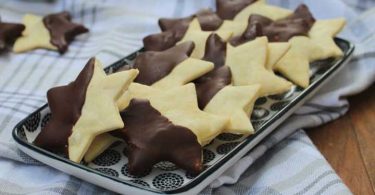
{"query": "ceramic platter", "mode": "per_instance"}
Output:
(110, 169)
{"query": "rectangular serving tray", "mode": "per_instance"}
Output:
(109, 170)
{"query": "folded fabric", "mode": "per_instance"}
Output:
(285, 162)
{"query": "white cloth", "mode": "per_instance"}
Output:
(286, 162)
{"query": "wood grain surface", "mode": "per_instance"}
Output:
(348, 143)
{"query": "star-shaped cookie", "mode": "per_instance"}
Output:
(84, 109)
(180, 106)
(275, 50)
(199, 37)
(153, 138)
(35, 35)
(170, 68)
(322, 34)
(54, 31)
(173, 30)
(319, 45)
(247, 63)
(9, 32)
(217, 97)
(281, 30)
(235, 103)
(154, 65)
(295, 63)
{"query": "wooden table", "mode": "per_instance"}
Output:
(348, 143)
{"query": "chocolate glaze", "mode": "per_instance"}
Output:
(251, 32)
(262, 20)
(153, 138)
(209, 84)
(175, 29)
(215, 50)
(179, 25)
(154, 65)
(62, 30)
(228, 9)
(208, 20)
(161, 41)
(9, 32)
(297, 24)
(302, 12)
(66, 103)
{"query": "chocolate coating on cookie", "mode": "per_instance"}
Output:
(215, 50)
(154, 65)
(208, 20)
(228, 9)
(175, 29)
(209, 84)
(297, 24)
(179, 25)
(302, 12)
(66, 104)
(251, 32)
(62, 30)
(161, 41)
(153, 138)
(9, 32)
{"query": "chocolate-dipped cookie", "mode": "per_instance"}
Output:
(180, 106)
(252, 31)
(154, 65)
(297, 24)
(170, 68)
(248, 67)
(162, 41)
(62, 29)
(235, 103)
(153, 138)
(9, 32)
(216, 95)
(175, 29)
(83, 109)
(54, 32)
(66, 104)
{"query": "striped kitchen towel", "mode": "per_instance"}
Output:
(286, 162)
